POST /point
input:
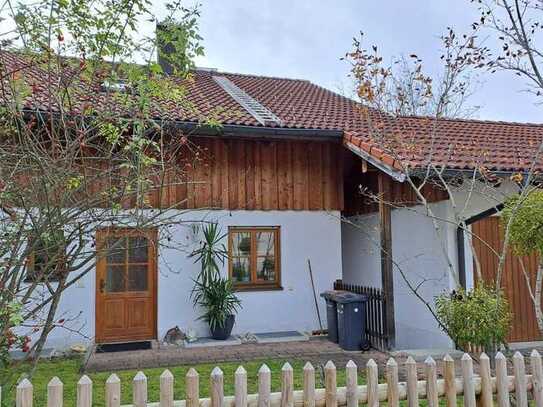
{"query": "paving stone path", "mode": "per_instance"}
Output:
(316, 350)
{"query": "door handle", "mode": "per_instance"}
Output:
(102, 285)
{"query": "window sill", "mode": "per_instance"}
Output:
(258, 288)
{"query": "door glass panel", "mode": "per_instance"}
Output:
(137, 249)
(115, 280)
(241, 244)
(264, 243)
(265, 268)
(137, 277)
(241, 270)
(116, 249)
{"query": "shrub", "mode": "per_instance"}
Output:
(524, 215)
(479, 317)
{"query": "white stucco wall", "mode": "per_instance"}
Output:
(304, 234)
(360, 250)
(417, 251)
(422, 254)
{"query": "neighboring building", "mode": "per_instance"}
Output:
(284, 169)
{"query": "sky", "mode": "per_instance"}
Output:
(305, 39)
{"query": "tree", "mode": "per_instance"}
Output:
(83, 145)
(394, 96)
(524, 217)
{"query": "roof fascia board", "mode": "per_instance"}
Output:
(395, 174)
(228, 130)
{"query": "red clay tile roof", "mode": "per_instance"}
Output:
(299, 104)
(453, 143)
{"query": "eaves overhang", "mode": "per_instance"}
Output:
(393, 172)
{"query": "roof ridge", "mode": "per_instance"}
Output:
(219, 72)
(463, 120)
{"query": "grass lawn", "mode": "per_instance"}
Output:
(68, 372)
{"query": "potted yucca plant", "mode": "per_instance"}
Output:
(220, 304)
(213, 293)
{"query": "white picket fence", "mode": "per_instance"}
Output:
(475, 389)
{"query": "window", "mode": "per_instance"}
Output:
(254, 258)
(128, 255)
(47, 260)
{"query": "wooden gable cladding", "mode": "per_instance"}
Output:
(257, 175)
(361, 189)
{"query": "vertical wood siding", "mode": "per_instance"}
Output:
(259, 175)
(487, 242)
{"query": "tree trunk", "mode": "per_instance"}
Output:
(536, 299)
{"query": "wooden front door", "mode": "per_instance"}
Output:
(126, 272)
(490, 235)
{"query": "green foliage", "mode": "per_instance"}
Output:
(479, 317)
(212, 292)
(11, 317)
(210, 254)
(180, 36)
(218, 300)
(524, 216)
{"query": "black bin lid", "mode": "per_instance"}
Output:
(348, 297)
(332, 294)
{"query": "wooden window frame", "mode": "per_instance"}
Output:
(54, 277)
(150, 234)
(254, 284)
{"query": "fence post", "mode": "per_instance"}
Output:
(412, 380)
(84, 392)
(537, 378)
(54, 392)
(309, 385)
(392, 383)
(24, 396)
(166, 389)
(217, 387)
(287, 386)
(351, 383)
(449, 376)
(467, 375)
(330, 384)
(502, 381)
(372, 374)
(240, 387)
(520, 380)
(264, 386)
(139, 390)
(113, 391)
(192, 388)
(485, 398)
(431, 382)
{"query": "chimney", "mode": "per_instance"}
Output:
(170, 59)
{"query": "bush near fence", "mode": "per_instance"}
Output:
(476, 390)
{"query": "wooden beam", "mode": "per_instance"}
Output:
(364, 166)
(387, 278)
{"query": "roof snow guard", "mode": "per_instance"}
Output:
(261, 113)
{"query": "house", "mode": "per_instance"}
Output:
(285, 170)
